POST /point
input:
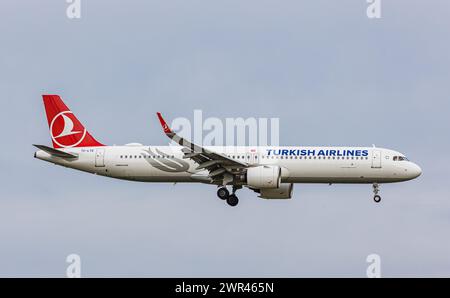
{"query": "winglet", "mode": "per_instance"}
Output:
(163, 123)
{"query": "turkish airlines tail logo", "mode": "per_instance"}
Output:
(68, 127)
(65, 129)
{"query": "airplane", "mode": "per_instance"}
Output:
(269, 171)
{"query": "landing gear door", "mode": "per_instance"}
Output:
(100, 157)
(376, 159)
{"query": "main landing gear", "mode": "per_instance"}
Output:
(224, 194)
(376, 190)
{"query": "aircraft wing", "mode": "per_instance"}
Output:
(220, 167)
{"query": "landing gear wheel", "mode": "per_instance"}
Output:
(377, 199)
(223, 193)
(232, 200)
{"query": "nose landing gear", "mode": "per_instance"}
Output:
(376, 190)
(224, 194)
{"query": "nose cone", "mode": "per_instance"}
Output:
(414, 171)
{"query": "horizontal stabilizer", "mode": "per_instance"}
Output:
(56, 152)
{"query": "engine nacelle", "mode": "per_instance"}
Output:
(282, 192)
(264, 177)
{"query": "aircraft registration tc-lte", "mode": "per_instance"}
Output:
(269, 171)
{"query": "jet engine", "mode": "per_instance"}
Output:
(282, 192)
(264, 177)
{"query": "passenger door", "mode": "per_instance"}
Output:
(376, 159)
(252, 156)
(100, 157)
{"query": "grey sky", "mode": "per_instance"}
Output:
(330, 74)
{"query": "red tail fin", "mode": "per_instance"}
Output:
(65, 129)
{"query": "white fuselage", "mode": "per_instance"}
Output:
(299, 164)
